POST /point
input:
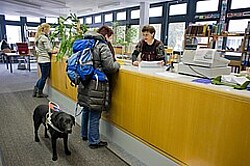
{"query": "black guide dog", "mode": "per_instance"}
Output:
(61, 126)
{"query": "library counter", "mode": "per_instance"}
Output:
(191, 123)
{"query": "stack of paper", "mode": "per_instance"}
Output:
(150, 64)
(234, 79)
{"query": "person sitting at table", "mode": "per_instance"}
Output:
(150, 48)
(5, 48)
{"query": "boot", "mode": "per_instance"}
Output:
(35, 91)
(40, 94)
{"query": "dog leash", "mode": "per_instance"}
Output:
(76, 108)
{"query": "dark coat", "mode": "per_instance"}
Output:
(95, 95)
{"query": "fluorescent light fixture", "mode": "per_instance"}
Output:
(101, 6)
(85, 10)
(60, 3)
(22, 4)
(30, 13)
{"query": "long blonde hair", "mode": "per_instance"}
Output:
(40, 29)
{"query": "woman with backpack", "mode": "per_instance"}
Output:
(93, 95)
(44, 51)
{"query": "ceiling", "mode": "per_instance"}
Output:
(55, 8)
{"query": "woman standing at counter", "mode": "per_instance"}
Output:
(150, 48)
(44, 51)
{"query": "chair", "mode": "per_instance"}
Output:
(169, 53)
(235, 61)
(118, 50)
(23, 50)
(235, 66)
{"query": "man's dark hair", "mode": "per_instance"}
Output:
(148, 28)
(105, 30)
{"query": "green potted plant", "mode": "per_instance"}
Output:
(67, 31)
(123, 35)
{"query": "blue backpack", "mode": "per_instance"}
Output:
(80, 65)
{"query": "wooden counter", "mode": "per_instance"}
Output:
(195, 124)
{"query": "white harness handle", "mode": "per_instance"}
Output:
(52, 107)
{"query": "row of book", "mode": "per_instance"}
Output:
(197, 30)
(205, 30)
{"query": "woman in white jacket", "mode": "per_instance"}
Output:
(44, 51)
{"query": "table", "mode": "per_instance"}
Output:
(9, 58)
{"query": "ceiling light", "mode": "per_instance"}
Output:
(60, 3)
(85, 10)
(21, 3)
(101, 6)
(30, 13)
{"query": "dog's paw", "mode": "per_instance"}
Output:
(68, 152)
(54, 158)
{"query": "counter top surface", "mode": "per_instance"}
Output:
(173, 76)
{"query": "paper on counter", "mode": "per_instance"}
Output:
(167, 74)
(234, 79)
(150, 64)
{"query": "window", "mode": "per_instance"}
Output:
(108, 17)
(207, 6)
(135, 14)
(178, 9)
(33, 19)
(238, 25)
(121, 16)
(12, 18)
(13, 34)
(98, 19)
(236, 4)
(52, 20)
(157, 31)
(176, 35)
(81, 20)
(136, 38)
(155, 11)
(88, 20)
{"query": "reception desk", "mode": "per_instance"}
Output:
(191, 123)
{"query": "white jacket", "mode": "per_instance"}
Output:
(43, 48)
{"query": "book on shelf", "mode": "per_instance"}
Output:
(197, 30)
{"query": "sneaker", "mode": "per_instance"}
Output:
(99, 145)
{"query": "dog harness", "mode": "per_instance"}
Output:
(53, 107)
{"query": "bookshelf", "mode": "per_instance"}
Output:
(246, 48)
(197, 35)
(207, 36)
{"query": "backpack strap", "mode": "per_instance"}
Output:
(96, 43)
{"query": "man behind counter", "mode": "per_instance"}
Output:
(149, 48)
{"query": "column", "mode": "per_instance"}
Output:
(144, 14)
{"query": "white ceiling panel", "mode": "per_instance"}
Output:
(50, 8)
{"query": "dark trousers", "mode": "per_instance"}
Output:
(90, 125)
(45, 71)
